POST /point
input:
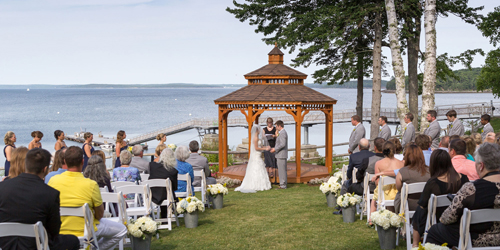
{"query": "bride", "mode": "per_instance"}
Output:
(256, 178)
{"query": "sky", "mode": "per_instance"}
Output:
(151, 41)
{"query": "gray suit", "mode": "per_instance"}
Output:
(456, 128)
(385, 132)
(139, 163)
(408, 135)
(486, 129)
(434, 130)
(357, 134)
(281, 153)
(200, 163)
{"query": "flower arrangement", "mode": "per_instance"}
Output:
(430, 246)
(172, 146)
(228, 181)
(348, 200)
(142, 226)
(332, 186)
(216, 189)
(386, 219)
(190, 204)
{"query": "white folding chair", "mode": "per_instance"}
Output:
(203, 186)
(187, 179)
(89, 238)
(344, 173)
(104, 189)
(169, 202)
(26, 230)
(354, 179)
(116, 184)
(367, 197)
(434, 203)
(474, 217)
(406, 190)
(382, 202)
(144, 177)
(121, 216)
(141, 208)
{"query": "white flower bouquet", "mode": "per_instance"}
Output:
(430, 246)
(327, 187)
(348, 200)
(386, 219)
(172, 146)
(189, 205)
(142, 226)
(216, 189)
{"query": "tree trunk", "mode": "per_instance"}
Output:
(377, 76)
(359, 102)
(397, 62)
(413, 49)
(429, 83)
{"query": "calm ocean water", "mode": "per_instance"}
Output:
(139, 111)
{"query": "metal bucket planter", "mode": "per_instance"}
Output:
(140, 244)
(218, 201)
(349, 214)
(331, 200)
(387, 238)
(191, 219)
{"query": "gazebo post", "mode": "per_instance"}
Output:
(221, 140)
(328, 137)
(225, 140)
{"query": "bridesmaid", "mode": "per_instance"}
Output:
(120, 146)
(60, 144)
(9, 139)
(87, 148)
(162, 138)
(37, 137)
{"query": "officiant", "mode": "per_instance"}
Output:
(270, 134)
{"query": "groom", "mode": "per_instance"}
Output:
(281, 150)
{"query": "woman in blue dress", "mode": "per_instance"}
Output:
(181, 154)
(120, 146)
(87, 148)
(60, 144)
(9, 139)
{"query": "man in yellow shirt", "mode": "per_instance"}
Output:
(76, 190)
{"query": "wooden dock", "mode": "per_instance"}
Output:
(98, 139)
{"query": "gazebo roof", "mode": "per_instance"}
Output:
(276, 70)
(270, 94)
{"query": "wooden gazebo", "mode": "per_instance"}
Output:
(276, 87)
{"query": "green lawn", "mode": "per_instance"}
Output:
(295, 218)
(495, 123)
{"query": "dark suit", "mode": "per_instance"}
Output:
(159, 194)
(355, 161)
(27, 199)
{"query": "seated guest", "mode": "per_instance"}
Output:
(59, 166)
(76, 190)
(17, 162)
(480, 194)
(398, 154)
(444, 180)
(158, 151)
(355, 161)
(125, 172)
(163, 170)
(424, 142)
(453, 137)
(26, 199)
(137, 161)
(478, 139)
(96, 171)
(444, 143)
(461, 164)
(470, 148)
(199, 162)
(182, 154)
(490, 138)
(368, 166)
(414, 171)
(101, 154)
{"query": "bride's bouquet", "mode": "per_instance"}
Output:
(216, 189)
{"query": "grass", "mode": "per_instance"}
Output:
(495, 123)
(295, 218)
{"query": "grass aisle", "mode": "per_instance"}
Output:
(295, 218)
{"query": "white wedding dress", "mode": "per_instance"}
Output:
(256, 178)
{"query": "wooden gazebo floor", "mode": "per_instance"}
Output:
(308, 172)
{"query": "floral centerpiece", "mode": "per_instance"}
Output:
(331, 189)
(190, 207)
(141, 230)
(348, 204)
(387, 222)
(430, 246)
(172, 146)
(217, 191)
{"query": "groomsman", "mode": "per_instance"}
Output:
(487, 128)
(409, 131)
(385, 131)
(356, 135)
(455, 127)
(433, 129)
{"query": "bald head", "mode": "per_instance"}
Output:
(364, 144)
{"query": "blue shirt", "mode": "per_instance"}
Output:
(184, 168)
(126, 174)
(49, 175)
(469, 157)
(427, 156)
